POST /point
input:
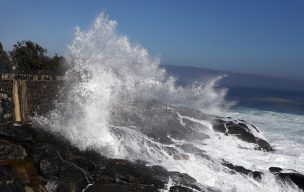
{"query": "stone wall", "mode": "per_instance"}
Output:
(22, 96)
(6, 101)
(41, 95)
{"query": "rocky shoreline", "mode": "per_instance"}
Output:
(34, 160)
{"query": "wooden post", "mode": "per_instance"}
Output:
(16, 101)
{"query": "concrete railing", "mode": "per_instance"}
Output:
(12, 76)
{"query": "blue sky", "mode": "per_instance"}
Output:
(251, 36)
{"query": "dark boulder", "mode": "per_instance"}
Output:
(242, 131)
(19, 133)
(50, 162)
(289, 176)
(240, 169)
(296, 178)
(275, 169)
(121, 188)
(21, 175)
(9, 181)
(180, 189)
(9, 151)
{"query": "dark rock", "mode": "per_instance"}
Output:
(182, 178)
(204, 156)
(170, 150)
(48, 168)
(240, 169)
(241, 131)
(11, 151)
(289, 176)
(121, 188)
(163, 122)
(264, 145)
(54, 163)
(181, 157)
(9, 181)
(18, 133)
(1, 48)
(193, 113)
(275, 169)
(189, 148)
(180, 189)
(296, 178)
(24, 173)
(157, 120)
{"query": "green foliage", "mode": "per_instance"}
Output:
(29, 57)
(56, 65)
(5, 65)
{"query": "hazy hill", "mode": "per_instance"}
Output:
(186, 75)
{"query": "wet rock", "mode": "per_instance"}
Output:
(121, 188)
(181, 157)
(240, 169)
(125, 172)
(189, 148)
(25, 175)
(48, 168)
(171, 150)
(241, 131)
(204, 156)
(9, 181)
(275, 169)
(264, 145)
(52, 162)
(183, 179)
(295, 177)
(16, 132)
(11, 151)
(193, 113)
(163, 122)
(180, 189)
(53, 166)
(289, 175)
(157, 120)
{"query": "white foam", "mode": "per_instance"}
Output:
(284, 133)
(110, 71)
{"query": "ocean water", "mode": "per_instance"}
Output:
(101, 112)
(278, 100)
(279, 114)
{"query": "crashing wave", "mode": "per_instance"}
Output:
(121, 104)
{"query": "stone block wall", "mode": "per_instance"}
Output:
(6, 101)
(21, 98)
(41, 95)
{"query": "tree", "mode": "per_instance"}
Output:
(29, 57)
(56, 65)
(5, 65)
